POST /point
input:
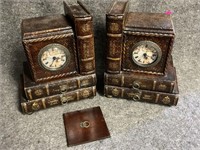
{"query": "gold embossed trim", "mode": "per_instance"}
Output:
(115, 92)
(86, 93)
(166, 100)
(111, 58)
(35, 106)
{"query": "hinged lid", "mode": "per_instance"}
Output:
(77, 10)
(118, 8)
(85, 126)
(45, 26)
(148, 22)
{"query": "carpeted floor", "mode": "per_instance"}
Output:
(133, 125)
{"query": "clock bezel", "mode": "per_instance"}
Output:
(61, 47)
(153, 44)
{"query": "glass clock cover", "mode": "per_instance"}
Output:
(146, 53)
(54, 57)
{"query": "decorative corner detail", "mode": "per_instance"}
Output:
(35, 106)
(86, 27)
(166, 100)
(38, 92)
(115, 92)
(162, 86)
(53, 102)
(115, 81)
(86, 93)
(85, 83)
(89, 66)
(113, 65)
(114, 27)
(64, 88)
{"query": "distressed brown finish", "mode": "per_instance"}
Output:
(165, 83)
(153, 27)
(139, 61)
(84, 126)
(150, 22)
(55, 100)
(41, 31)
(35, 90)
(114, 26)
(156, 97)
(61, 62)
(83, 26)
(126, 29)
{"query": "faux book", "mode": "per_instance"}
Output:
(83, 26)
(161, 98)
(114, 25)
(35, 90)
(55, 100)
(165, 83)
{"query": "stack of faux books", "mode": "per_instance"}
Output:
(60, 63)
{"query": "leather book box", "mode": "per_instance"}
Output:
(138, 58)
(57, 46)
(138, 41)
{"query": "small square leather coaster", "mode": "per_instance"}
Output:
(84, 126)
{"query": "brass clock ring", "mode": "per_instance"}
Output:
(136, 97)
(84, 124)
(136, 85)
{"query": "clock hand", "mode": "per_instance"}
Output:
(145, 56)
(54, 58)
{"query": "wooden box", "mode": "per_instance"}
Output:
(45, 39)
(148, 41)
(60, 63)
(59, 46)
(139, 63)
(138, 41)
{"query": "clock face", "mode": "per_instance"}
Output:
(146, 54)
(54, 57)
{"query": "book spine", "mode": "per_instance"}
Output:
(128, 81)
(114, 44)
(85, 44)
(60, 87)
(114, 28)
(51, 101)
(141, 95)
(83, 25)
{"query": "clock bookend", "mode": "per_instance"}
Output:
(60, 63)
(139, 61)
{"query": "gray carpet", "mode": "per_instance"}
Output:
(133, 125)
